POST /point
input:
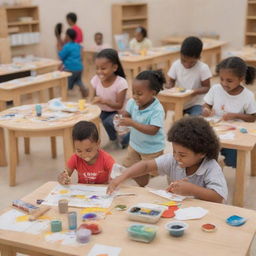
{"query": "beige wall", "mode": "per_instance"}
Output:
(223, 17)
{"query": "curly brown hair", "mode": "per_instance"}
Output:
(196, 134)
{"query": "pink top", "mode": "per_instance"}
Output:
(109, 93)
(79, 34)
(97, 173)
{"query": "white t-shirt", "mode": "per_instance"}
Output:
(109, 93)
(143, 45)
(222, 102)
(190, 78)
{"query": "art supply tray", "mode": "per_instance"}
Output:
(149, 213)
(141, 232)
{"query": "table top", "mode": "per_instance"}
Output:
(246, 53)
(226, 240)
(26, 64)
(24, 118)
(175, 92)
(22, 82)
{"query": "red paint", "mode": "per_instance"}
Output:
(208, 227)
(93, 226)
(170, 212)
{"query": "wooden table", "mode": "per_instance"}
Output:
(248, 54)
(14, 89)
(227, 240)
(173, 100)
(244, 143)
(29, 125)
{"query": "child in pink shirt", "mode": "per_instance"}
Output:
(109, 89)
(93, 165)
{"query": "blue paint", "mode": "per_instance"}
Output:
(90, 216)
(235, 220)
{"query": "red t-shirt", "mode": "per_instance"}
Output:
(97, 173)
(79, 34)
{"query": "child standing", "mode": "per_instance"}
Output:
(140, 42)
(109, 89)
(92, 164)
(71, 20)
(190, 73)
(192, 169)
(230, 100)
(71, 56)
(99, 44)
(145, 115)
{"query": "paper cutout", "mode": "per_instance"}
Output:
(190, 213)
(227, 136)
(100, 250)
(167, 195)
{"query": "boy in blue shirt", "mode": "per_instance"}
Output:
(71, 56)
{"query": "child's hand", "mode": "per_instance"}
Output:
(229, 116)
(112, 185)
(181, 187)
(125, 121)
(207, 112)
(63, 178)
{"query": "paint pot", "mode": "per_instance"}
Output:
(56, 226)
(38, 109)
(176, 228)
(142, 232)
(121, 207)
(93, 226)
(90, 216)
(235, 220)
(63, 205)
(83, 235)
(72, 220)
(208, 227)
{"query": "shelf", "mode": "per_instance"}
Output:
(20, 7)
(251, 2)
(130, 26)
(132, 4)
(13, 30)
(22, 45)
(250, 34)
(251, 17)
(21, 23)
(135, 18)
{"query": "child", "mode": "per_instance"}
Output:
(71, 20)
(92, 164)
(140, 42)
(190, 73)
(70, 55)
(145, 115)
(99, 45)
(192, 169)
(230, 100)
(109, 89)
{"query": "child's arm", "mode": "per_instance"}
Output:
(92, 97)
(119, 101)
(207, 110)
(64, 177)
(205, 86)
(185, 188)
(245, 117)
(170, 83)
(137, 170)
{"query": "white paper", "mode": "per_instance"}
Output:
(190, 213)
(227, 136)
(98, 249)
(167, 195)
(72, 193)
(66, 238)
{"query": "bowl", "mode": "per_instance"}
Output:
(176, 228)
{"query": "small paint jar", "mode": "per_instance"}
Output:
(176, 228)
(63, 205)
(93, 226)
(72, 220)
(90, 216)
(83, 235)
(38, 109)
(56, 226)
(142, 232)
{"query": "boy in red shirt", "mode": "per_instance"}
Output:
(71, 20)
(93, 165)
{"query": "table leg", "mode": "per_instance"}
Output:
(6, 251)
(12, 158)
(53, 147)
(238, 199)
(2, 105)
(17, 150)
(67, 143)
(253, 161)
(178, 111)
(3, 161)
(51, 93)
(27, 145)
(63, 89)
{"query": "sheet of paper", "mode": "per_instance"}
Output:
(190, 213)
(227, 136)
(167, 195)
(80, 196)
(100, 249)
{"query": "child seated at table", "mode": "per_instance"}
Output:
(99, 44)
(140, 42)
(190, 73)
(93, 165)
(192, 169)
(230, 99)
(71, 56)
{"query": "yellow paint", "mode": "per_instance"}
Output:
(44, 217)
(22, 218)
(63, 191)
(79, 196)
(94, 209)
(170, 203)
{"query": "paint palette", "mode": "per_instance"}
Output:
(142, 233)
(235, 220)
(148, 213)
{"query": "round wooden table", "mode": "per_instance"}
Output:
(22, 122)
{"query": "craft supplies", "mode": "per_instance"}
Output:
(38, 109)
(72, 220)
(243, 130)
(149, 213)
(169, 213)
(63, 205)
(142, 233)
(26, 207)
(208, 227)
(90, 216)
(39, 212)
(121, 207)
(39, 201)
(81, 104)
(83, 235)
(176, 228)
(56, 226)
(93, 226)
(167, 195)
(235, 220)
